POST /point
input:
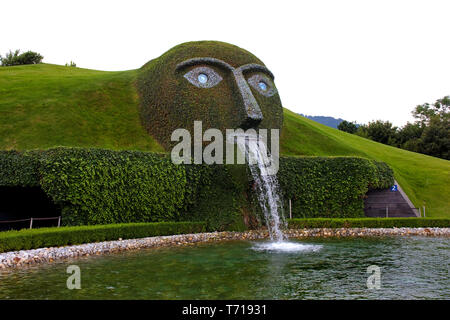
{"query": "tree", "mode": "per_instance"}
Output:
(347, 126)
(435, 121)
(429, 134)
(15, 58)
(381, 131)
(30, 57)
(440, 109)
(363, 131)
(435, 139)
(10, 59)
(409, 135)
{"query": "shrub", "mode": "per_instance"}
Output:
(96, 186)
(15, 58)
(19, 169)
(383, 177)
(368, 223)
(51, 237)
(330, 187)
(220, 199)
(30, 57)
(346, 126)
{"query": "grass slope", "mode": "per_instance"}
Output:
(45, 105)
(425, 179)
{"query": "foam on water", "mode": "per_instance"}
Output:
(285, 246)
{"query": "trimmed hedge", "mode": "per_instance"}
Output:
(19, 169)
(51, 237)
(369, 223)
(220, 201)
(331, 187)
(96, 186)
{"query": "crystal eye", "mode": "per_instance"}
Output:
(262, 86)
(202, 78)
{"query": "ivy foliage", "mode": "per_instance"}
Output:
(96, 186)
(220, 200)
(19, 169)
(101, 186)
(331, 187)
(168, 101)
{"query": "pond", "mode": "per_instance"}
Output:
(411, 268)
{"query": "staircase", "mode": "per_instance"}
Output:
(396, 202)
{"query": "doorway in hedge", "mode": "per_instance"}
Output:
(23, 203)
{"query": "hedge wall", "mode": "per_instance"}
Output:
(331, 187)
(51, 237)
(95, 186)
(101, 186)
(19, 169)
(221, 199)
(369, 223)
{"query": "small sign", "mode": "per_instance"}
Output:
(394, 188)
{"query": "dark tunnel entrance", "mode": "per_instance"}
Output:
(17, 203)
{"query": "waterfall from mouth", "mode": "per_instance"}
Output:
(265, 183)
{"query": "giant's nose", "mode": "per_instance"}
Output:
(252, 112)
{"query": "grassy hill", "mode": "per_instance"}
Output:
(425, 179)
(45, 105)
(48, 105)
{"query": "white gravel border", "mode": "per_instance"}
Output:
(24, 258)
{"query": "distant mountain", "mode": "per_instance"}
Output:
(328, 121)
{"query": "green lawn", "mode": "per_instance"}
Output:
(43, 106)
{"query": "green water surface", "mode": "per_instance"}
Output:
(411, 268)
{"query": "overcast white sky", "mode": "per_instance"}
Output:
(358, 60)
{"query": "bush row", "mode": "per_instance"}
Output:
(100, 186)
(331, 187)
(96, 186)
(369, 223)
(19, 169)
(51, 237)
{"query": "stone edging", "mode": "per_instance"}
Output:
(28, 257)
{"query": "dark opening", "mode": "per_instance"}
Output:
(18, 203)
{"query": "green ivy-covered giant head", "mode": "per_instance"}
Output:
(217, 83)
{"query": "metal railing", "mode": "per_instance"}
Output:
(33, 219)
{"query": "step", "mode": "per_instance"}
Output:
(396, 215)
(387, 205)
